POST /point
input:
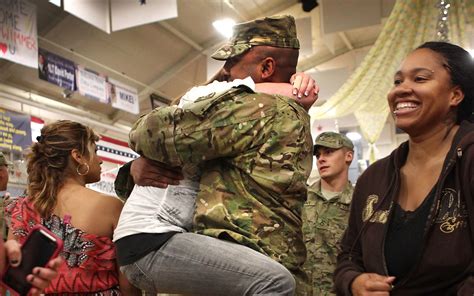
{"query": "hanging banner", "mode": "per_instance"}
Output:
(91, 84)
(114, 151)
(127, 14)
(123, 97)
(96, 13)
(56, 70)
(18, 34)
(15, 131)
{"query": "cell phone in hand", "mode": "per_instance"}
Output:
(39, 248)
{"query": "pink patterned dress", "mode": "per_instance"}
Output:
(89, 267)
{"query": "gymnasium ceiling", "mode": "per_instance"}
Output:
(168, 57)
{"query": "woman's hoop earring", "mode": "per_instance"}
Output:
(78, 168)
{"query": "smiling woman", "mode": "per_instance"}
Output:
(424, 189)
(426, 91)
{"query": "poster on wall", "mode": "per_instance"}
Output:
(15, 131)
(56, 70)
(91, 84)
(123, 96)
(18, 38)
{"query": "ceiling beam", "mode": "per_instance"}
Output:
(313, 61)
(237, 11)
(346, 40)
(200, 50)
(184, 62)
(170, 73)
(180, 35)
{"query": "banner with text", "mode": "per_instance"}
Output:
(91, 84)
(56, 69)
(18, 33)
(15, 131)
(123, 97)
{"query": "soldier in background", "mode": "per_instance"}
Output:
(326, 211)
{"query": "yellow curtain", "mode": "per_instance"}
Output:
(410, 23)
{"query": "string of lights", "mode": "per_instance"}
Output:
(442, 28)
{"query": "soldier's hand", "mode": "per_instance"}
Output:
(372, 284)
(147, 172)
(303, 85)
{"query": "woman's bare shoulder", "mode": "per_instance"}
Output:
(105, 200)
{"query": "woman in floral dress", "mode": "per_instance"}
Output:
(59, 166)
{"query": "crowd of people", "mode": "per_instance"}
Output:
(218, 202)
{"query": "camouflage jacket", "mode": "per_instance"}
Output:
(255, 152)
(324, 222)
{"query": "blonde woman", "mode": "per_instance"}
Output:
(60, 164)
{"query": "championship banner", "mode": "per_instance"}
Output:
(15, 131)
(115, 151)
(18, 34)
(56, 70)
(123, 97)
(91, 84)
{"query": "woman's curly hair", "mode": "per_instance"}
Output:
(49, 158)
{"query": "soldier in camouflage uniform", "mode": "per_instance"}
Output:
(254, 148)
(326, 211)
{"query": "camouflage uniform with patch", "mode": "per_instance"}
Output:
(255, 151)
(324, 222)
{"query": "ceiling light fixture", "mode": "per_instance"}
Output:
(354, 136)
(224, 26)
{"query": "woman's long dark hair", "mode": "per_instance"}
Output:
(460, 65)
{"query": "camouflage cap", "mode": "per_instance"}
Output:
(3, 160)
(276, 31)
(333, 140)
